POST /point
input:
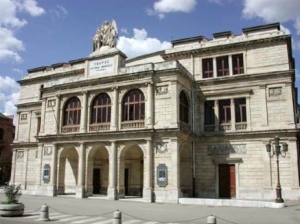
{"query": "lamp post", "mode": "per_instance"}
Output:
(277, 151)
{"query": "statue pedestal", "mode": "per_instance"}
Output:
(105, 61)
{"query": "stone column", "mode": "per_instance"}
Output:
(175, 192)
(29, 125)
(53, 172)
(248, 115)
(215, 68)
(25, 167)
(175, 105)
(216, 109)
(232, 114)
(83, 117)
(57, 114)
(114, 111)
(150, 106)
(43, 113)
(264, 112)
(112, 188)
(39, 168)
(230, 65)
(81, 167)
(13, 166)
(147, 191)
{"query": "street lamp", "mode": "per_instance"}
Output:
(277, 151)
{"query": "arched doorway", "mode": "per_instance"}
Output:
(131, 171)
(97, 171)
(68, 171)
(186, 170)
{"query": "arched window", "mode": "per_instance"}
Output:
(101, 109)
(1, 134)
(133, 106)
(183, 108)
(72, 112)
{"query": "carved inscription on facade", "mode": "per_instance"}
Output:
(218, 150)
(274, 92)
(160, 90)
(47, 150)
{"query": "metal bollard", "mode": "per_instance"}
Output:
(117, 217)
(44, 216)
(211, 220)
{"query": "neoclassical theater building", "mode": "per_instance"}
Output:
(190, 121)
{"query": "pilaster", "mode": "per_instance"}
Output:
(232, 114)
(150, 106)
(57, 114)
(148, 190)
(83, 117)
(216, 109)
(114, 111)
(80, 192)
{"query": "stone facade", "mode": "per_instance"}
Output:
(191, 121)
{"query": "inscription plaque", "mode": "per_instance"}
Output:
(216, 150)
(101, 66)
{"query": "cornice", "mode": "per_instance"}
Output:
(46, 77)
(31, 104)
(226, 46)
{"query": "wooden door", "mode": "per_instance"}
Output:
(96, 181)
(227, 187)
(126, 181)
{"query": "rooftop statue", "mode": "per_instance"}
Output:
(106, 35)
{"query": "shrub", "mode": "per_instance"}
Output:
(12, 193)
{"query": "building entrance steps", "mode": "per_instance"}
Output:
(230, 202)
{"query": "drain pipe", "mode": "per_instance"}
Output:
(193, 128)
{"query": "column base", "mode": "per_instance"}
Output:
(148, 195)
(80, 192)
(112, 193)
(121, 192)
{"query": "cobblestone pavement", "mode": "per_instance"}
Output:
(91, 211)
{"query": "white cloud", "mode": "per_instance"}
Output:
(162, 7)
(19, 71)
(9, 95)
(272, 10)
(58, 13)
(141, 44)
(124, 30)
(10, 46)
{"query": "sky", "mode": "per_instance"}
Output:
(35, 33)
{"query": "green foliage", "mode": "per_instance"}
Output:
(12, 193)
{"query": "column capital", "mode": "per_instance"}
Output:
(115, 88)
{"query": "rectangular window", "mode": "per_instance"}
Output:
(240, 110)
(38, 125)
(224, 111)
(222, 66)
(237, 64)
(209, 112)
(207, 68)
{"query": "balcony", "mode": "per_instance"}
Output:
(132, 124)
(99, 127)
(225, 127)
(241, 126)
(70, 129)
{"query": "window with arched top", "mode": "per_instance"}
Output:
(101, 109)
(133, 106)
(183, 107)
(72, 112)
(1, 134)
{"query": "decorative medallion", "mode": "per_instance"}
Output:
(274, 92)
(47, 150)
(23, 117)
(162, 147)
(20, 154)
(160, 90)
(51, 103)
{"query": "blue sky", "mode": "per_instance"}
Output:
(39, 33)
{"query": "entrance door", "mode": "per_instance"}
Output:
(227, 181)
(96, 181)
(126, 181)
